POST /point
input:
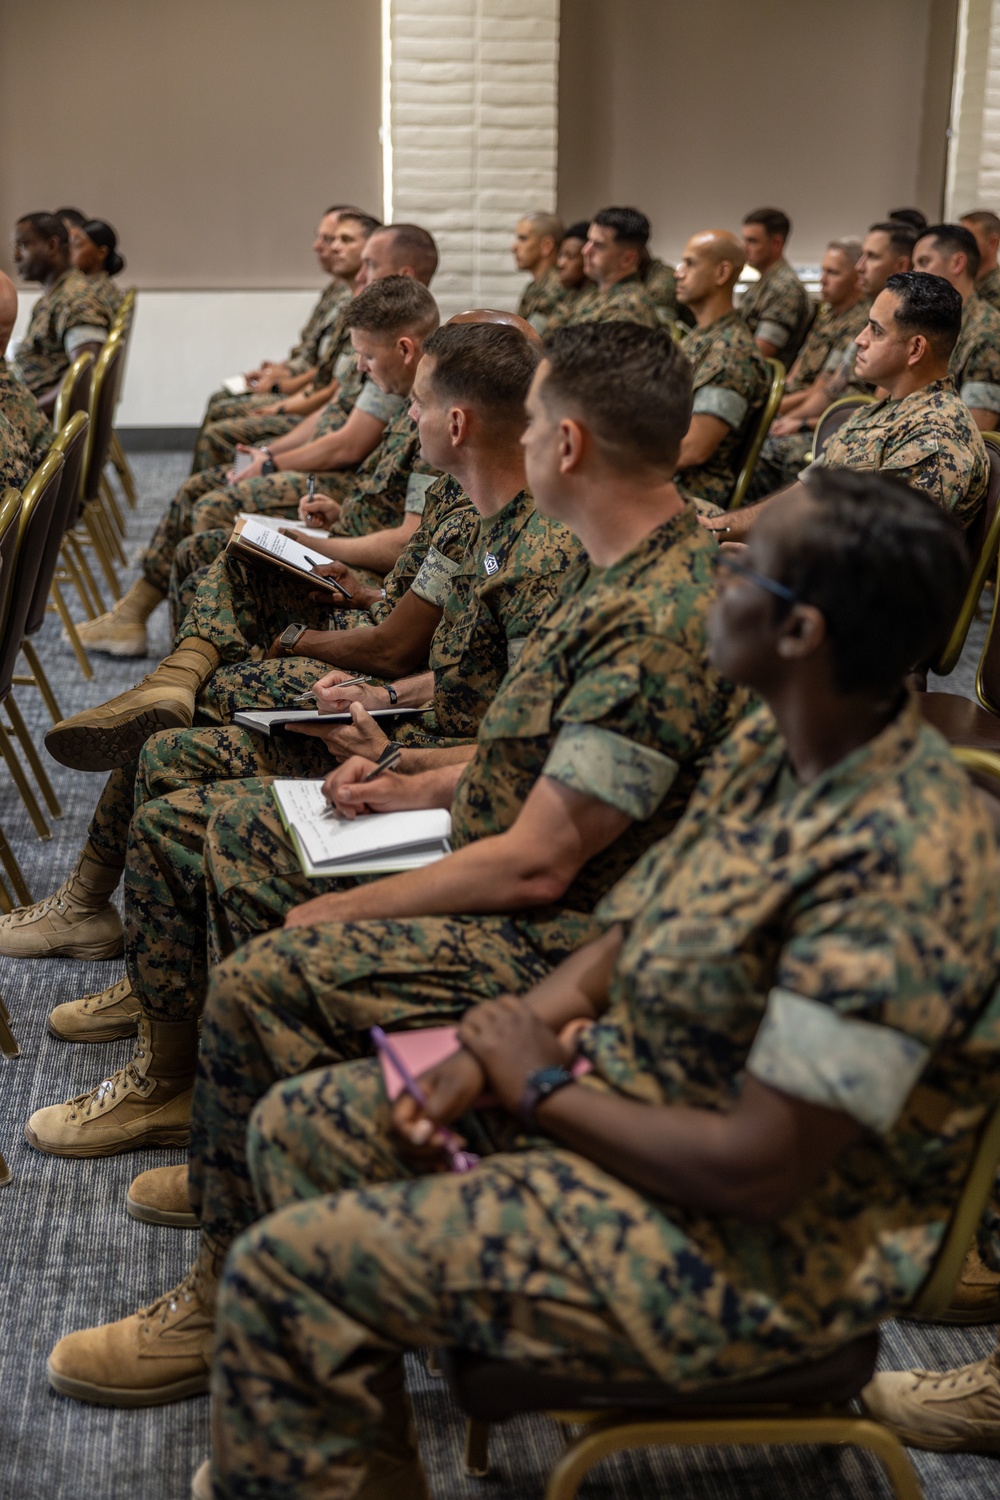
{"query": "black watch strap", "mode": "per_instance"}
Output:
(538, 1086)
(393, 695)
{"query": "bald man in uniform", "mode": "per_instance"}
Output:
(730, 377)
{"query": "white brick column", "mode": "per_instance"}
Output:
(471, 117)
(973, 176)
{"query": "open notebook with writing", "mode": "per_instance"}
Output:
(280, 523)
(252, 539)
(376, 844)
(266, 720)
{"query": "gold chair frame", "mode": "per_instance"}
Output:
(763, 427)
(855, 401)
(983, 567)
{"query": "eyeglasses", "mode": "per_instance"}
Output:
(772, 586)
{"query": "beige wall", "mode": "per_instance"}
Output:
(665, 104)
(211, 133)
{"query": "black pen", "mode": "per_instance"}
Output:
(387, 761)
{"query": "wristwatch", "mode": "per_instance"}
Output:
(290, 637)
(538, 1086)
(269, 465)
(393, 695)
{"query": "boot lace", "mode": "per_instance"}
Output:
(108, 1089)
(951, 1380)
(111, 996)
(165, 1307)
(55, 902)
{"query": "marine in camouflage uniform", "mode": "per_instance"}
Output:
(926, 439)
(107, 292)
(828, 352)
(21, 409)
(776, 308)
(757, 941)
(627, 301)
(661, 289)
(66, 316)
(16, 463)
(988, 288)
(731, 382)
(975, 360)
(542, 300)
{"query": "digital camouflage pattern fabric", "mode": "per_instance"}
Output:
(975, 360)
(758, 939)
(107, 292)
(23, 412)
(52, 338)
(661, 289)
(731, 381)
(16, 466)
(542, 300)
(988, 288)
(927, 439)
(625, 302)
(776, 308)
(830, 337)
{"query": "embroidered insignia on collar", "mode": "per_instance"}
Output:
(491, 564)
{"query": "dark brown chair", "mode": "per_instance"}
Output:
(74, 393)
(960, 720)
(807, 1403)
(758, 433)
(836, 414)
(983, 538)
(97, 528)
(116, 453)
(11, 506)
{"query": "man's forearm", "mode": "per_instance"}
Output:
(579, 986)
(300, 434)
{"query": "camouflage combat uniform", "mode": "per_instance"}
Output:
(828, 352)
(926, 439)
(661, 289)
(774, 935)
(627, 301)
(107, 292)
(21, 409)
(205, 502)
(16, 465)
(975, 360)
(776, 308)
(988, 288)
(542, 300)
(731, 382)
(610, 697)
(64, 318)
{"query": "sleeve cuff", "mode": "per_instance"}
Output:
(982, 394)
(75, 338)
(416, 492)
(433, 582)
(816, 1053)
(616, 770)
(772, 333)
(716, 401)
(376, 403)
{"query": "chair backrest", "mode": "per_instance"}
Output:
(72, 444)
(988, 674)
(122, 321)
(836, 414)
(41, 495)
(11, 506)
(107, 381)
(983, 538)
(759, 433)
(74, 393)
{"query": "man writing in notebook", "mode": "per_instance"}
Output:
(586, 756)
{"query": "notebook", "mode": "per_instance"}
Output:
(275, 523)
(236, 385)
(266, 720)
(422, 1050)
(251, 538)
(375, 844)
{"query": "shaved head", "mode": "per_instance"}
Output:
(495, 315)
(8, 310)
(720, 245)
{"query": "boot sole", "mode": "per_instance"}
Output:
(914, 1439)
(171, 1135)
(108, 1395)
(111, 1032)
(107, 747)
(110, 948)
(163, 1216)
(957, 1318)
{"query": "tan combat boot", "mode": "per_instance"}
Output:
(977, 1297)
(109, 736)
(146, 1103)
(953, 1411)
(102, 1017)
(76, 921)
(122, 631)
(160, 1196)
(161, 1353)
(201, 1484)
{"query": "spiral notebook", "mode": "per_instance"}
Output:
(374, 844)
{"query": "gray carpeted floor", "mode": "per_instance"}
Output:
(71, 1257)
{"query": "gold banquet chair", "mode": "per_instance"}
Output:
(10, 518)
(96, 528)
(116, 453)
(759, 433)
(983, 538)
(74, 393)
(836, 414)
(805, 1404)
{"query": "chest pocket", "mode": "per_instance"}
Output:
(909, 455)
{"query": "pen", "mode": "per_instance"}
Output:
(461, 1160)
(310, 696)
(387, 761)
(312, 487)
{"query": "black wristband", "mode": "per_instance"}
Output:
(538, 1086)
(393, 695)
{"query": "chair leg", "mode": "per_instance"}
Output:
(33, 757)
(124, 470)
(8, 1042)
(14, 874)
(617, 1436)
(477, 1448)
(82, 578)
(113, 511)
(69, 625)
(92, 524)
(5, 1176)
(41, 681)
(27, 796)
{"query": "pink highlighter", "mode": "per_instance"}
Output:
(461, 1160)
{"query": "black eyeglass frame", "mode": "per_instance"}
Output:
(771, 585)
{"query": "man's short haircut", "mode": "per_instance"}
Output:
(929, 305)
(546, 226)
(773, 220)
(885, 565)
(955, 238)
(394, 305)
(358, 216)
(630, 226)
(911, 216)
(47, 226)
(73, 215)
(902, 237)
(413, 246)
(577, 231)
(849, 248)
(984, 219)
(485, 365)
(631, 386)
